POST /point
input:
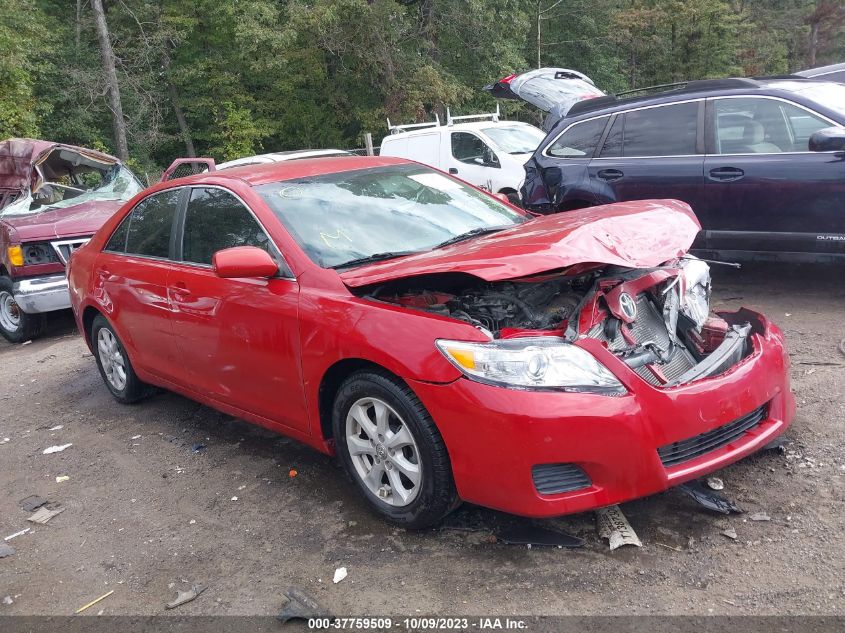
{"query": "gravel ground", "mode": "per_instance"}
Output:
(145, 515)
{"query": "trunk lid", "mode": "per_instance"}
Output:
(552, 90)
(637, 234)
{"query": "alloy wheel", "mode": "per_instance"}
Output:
(10, 316)
(111, 358)
(384, 451)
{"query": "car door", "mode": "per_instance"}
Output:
(130, 280)
(653, 152)
(472, 159)
(765, 191)
(238, 339)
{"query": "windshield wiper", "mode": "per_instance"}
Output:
(375, 257)
(470, 234)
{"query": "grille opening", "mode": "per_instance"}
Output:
(685, 450)
(552, 479)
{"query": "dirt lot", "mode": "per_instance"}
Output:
(146, 515)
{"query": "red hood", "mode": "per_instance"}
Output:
(638, 234)
(83, 219)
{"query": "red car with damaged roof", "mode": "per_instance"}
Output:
(444, 344)
(53, 197)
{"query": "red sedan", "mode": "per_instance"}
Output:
(444, 344)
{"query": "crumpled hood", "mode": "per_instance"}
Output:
(83, 219)
(637, 234)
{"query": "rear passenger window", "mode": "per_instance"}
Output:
(580, 140)
(150, 224)
(663, 131)
(215, 220)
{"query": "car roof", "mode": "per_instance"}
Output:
(261, 174)
(697, 89)
(475, 126)
(272, 157)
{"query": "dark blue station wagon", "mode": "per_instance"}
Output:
(760, 161)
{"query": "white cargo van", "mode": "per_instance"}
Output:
(487, 153)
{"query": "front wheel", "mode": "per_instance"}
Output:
(390, 446)
(113, 363)
(16, 326)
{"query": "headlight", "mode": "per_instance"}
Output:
(531, 363)
(696, 303)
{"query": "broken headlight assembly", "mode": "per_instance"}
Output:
(696, 301)
(38, 254)
(531, 363)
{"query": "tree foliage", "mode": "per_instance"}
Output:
(229, 78)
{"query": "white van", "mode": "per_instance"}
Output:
(489, 153)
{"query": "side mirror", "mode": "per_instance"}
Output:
(243, 261)
(830, 139)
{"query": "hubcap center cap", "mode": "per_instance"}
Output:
(381, 451)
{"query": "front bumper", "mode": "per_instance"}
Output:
(42, 294)
(495, 436)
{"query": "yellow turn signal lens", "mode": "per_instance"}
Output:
(464, 357)
(16, 255)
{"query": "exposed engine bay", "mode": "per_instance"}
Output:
(657, 321)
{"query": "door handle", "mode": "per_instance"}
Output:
(610, 174)
(726, 174)
(453, 170)
(180, 290)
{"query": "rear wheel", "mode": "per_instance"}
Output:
(113, 363)
(16, 326)
(389, 445)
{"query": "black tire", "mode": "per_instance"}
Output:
(134, 390)
(515, 200)
(18, 326)
(437, 496)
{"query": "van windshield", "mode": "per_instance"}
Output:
(382, 212)
(515, 139)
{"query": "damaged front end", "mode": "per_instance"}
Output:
(657, 321)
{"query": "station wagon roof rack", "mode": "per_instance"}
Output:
(680, 87)
(398, 129)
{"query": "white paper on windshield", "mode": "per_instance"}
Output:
(435, 181)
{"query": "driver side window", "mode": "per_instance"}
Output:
(468, 148)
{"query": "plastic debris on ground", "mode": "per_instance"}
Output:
(16, 534)
(300, 606)
(62, 478)
(183, 597)
(8, 600)
(708, 498)
(292, 473)
(234, 498)
(58, 427)
(532, 535)
(93, 602)
(729, 532)
(32, 503)
(714, 483)
(760, 516)
(6, 550)
(45, 513)
(4, 440)
(613, 526)
(339, 574)
(55, 449)
(198, 448)
(778, 444)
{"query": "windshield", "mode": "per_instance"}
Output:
(117, 183)
(341, 217)
(515, 139)
(828, 94)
